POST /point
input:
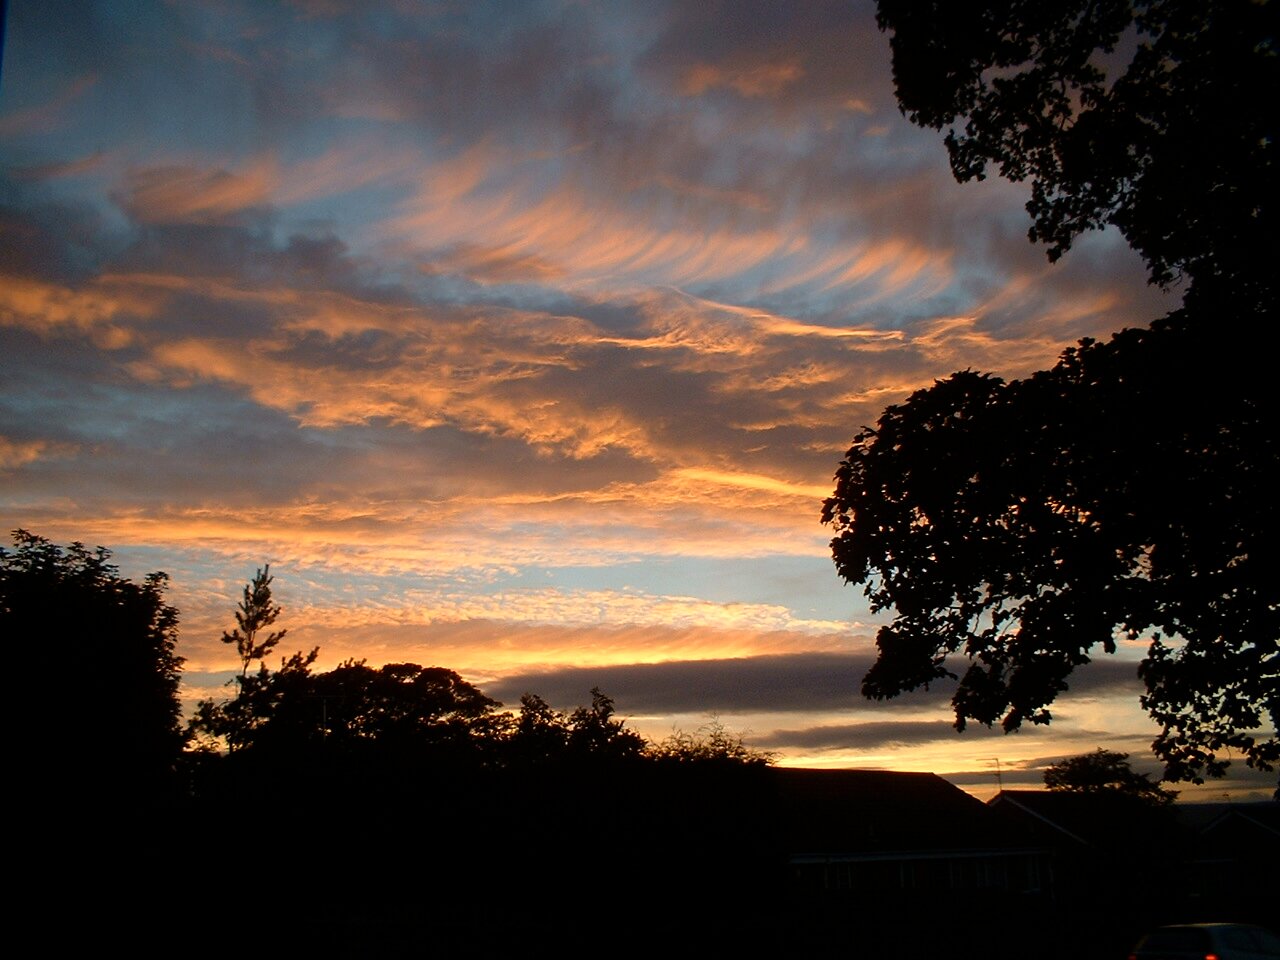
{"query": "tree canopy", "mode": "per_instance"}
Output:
(114, 714)
(710, 744)
(1027, 524)
(1106, 772)
(1151, 115)
(403, 710)
(399, 707)
(1127, 492)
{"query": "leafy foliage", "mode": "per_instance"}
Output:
(1128, 490)
(244, 720)
(1139, 113)
(255, 613)
(1028, 524)
(1106, 771)
(404, 710)
(540, 732)
(114, 640)
(238, 723)
(710, 744)
(594, 732)
(400, 706)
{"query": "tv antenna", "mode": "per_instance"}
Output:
(999, 775)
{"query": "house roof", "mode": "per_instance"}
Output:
(870, 812)
(1104, 819)
(1264, 816)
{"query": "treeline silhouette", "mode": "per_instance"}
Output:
(409, 807)
(377, 811)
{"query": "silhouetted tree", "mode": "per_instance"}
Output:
(110, 714)
(1027, 524)
(254, 614)
(594, 732)
(1106, 771)
(1128, 490)
(405, 710)
(710, 744)
(1145, 114)
(240, 722)
(236, 723)
(400, 706)
(539, 734)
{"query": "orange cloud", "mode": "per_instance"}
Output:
(477, 202)
(49, 115)
(899, 264)
(475, 534)
(749, 481)
(489, 371)
(64, 168)
(204, 194)
(341, 168)
(494, 265)
(187, 194)
(17, 453)
(750, 80)
(576, 608)
(746, 199)
(486, 650)
(588, 242)
(99, 309)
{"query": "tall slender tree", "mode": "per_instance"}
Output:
(255, 613)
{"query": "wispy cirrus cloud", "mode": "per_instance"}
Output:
(49, 114)
(519, 337)
(16, 453)
(194, 195)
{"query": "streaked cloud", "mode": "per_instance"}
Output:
(49, 114)
(17, 453)
(520, 338)
(871, 735)
(191, 195)
(749, 80)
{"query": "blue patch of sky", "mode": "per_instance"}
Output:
(806, 586)
(354, 212)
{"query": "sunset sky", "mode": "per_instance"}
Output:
(520, 338)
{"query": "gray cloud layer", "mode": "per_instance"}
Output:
(806, 682)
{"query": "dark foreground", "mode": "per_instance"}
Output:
(362, 860)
